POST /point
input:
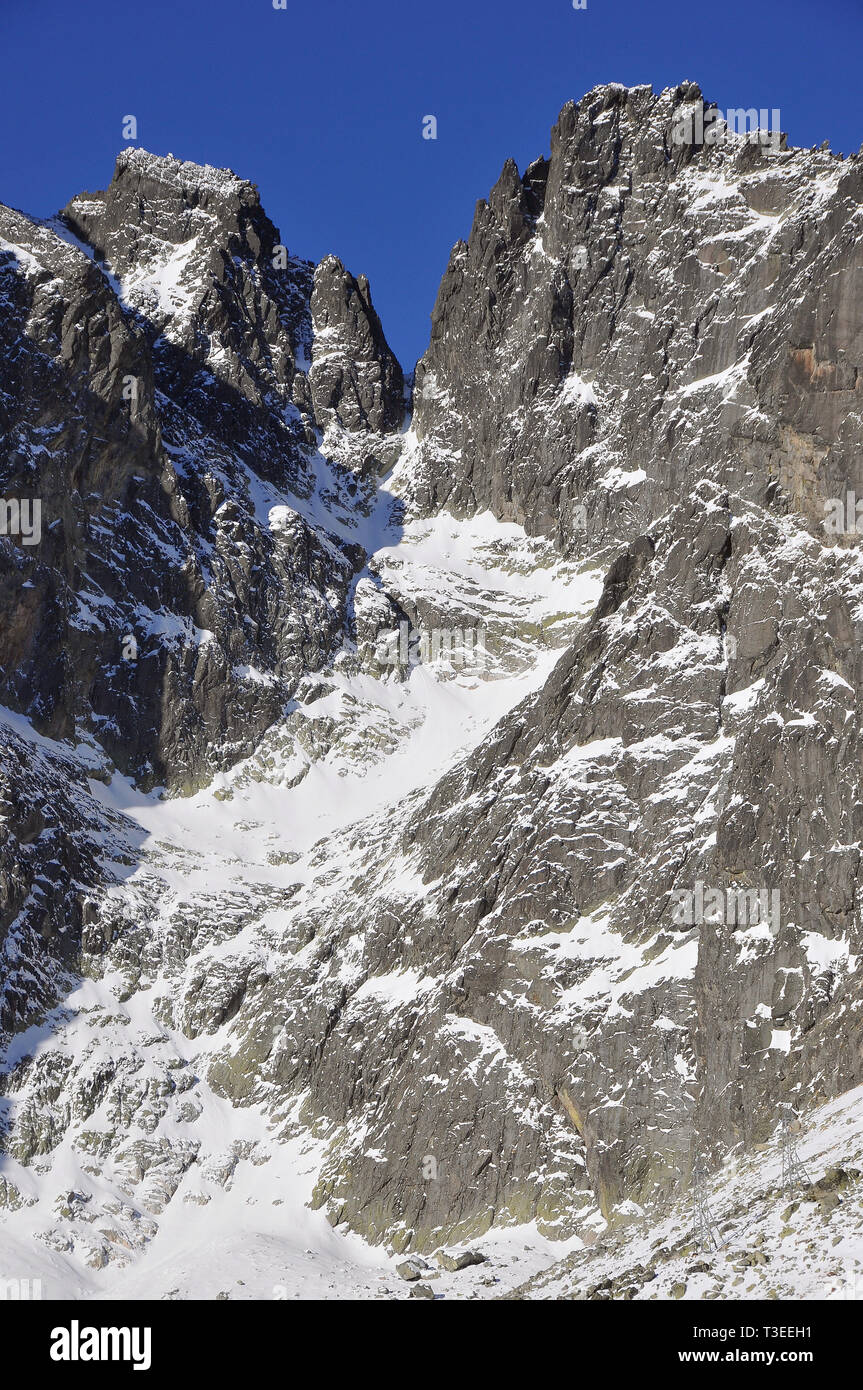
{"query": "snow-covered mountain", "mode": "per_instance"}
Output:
(431, 806)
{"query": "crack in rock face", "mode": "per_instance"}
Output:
(431, 803)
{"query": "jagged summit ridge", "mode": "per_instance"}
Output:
(157, 176)
(188, 174)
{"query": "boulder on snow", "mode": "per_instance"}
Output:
(454, 1260)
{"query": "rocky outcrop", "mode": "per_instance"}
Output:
(354, 377)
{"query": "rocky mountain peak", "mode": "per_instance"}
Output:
(355, 378)
(568, 270)
(169, 199)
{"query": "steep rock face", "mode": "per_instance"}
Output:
(55, 843)
(635, 313)
(699, 732)
(154, 405)
(354, 376)
(654, 761)
(193, 252)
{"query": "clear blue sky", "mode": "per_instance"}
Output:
(322, 104)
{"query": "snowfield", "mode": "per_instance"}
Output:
(242, 1228)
